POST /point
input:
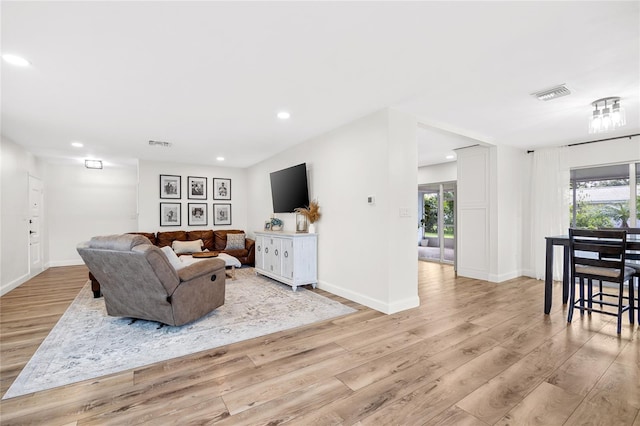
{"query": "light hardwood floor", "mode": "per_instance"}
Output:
(473, 353)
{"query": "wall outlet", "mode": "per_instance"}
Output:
(371, 199)
(404, 212)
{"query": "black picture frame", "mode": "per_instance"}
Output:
(221, 189)
(196, 188)
(170, 214)
(198, 215)
(221, 214)
(170, 187)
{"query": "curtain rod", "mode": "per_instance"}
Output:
(599, 140)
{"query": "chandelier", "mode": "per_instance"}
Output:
(607, 115)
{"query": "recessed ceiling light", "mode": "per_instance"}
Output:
(16, 60)
(220, 158)
(283, 115)
(450, 157)
(77, 144)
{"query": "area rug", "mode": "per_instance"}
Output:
(86, 343)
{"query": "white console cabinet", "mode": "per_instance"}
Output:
(288, 257)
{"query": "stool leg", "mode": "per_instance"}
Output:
(581, 296)
(620, 296)
(632, 300)
(572, 299)
(600, 290)
(590, 295)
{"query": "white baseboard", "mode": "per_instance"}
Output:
(504, 277)
(6, 288)
(380, 306)
(72, 262)
(472, 273)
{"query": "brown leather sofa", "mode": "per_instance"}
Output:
(212, 240)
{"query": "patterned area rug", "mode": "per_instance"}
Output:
(86, 343)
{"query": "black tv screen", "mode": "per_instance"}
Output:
(289, 189)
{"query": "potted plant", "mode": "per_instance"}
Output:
(311, 213)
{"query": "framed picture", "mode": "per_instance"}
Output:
(221, 189)
(197, 187)
(170, 214)
(222, 214)
(197, 214)
(170, 186)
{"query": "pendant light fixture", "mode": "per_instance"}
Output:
(607, 115)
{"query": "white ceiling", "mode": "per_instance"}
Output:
(211, 76)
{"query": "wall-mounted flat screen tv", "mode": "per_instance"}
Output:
(289, 189)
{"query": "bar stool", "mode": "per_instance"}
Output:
(633, 261)
(600, 255)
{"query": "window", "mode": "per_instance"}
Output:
(602, 197)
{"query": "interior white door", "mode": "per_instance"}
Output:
(35, 225)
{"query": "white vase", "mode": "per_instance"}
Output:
(312, 228)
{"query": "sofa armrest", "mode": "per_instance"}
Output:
(198, 269)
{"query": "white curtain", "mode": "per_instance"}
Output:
(549, 206)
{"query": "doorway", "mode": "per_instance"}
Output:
(437, 231)
(35, 226)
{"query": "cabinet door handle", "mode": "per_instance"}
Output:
(286, 254)
(258, 248)
(276, 252)
(266, 249)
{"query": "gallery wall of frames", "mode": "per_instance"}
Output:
(198, 194)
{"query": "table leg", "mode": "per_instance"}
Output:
(548, 277)
(566, 275)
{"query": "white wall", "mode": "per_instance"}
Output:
(602, 153)
(437, 173)
(82, 203)
(16, 164)
(366, 252)
(149, 195)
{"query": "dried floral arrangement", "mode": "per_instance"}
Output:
(311, 212)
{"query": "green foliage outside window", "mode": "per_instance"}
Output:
(429, 221)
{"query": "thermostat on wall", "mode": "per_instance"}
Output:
(371, 199)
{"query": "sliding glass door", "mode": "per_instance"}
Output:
(437, 222)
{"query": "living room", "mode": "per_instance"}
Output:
(80, 203)
(362, 162)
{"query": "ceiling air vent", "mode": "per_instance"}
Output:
(552, 93)
(161, 144)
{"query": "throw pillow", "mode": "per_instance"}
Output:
(187, 247)
(235, 242)
(173, 258)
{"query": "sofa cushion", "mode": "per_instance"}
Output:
(220, 238)
(186, 247)
(205, 236)
(235, 242)
(167, 238)
(173, 258)
(238, 253)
